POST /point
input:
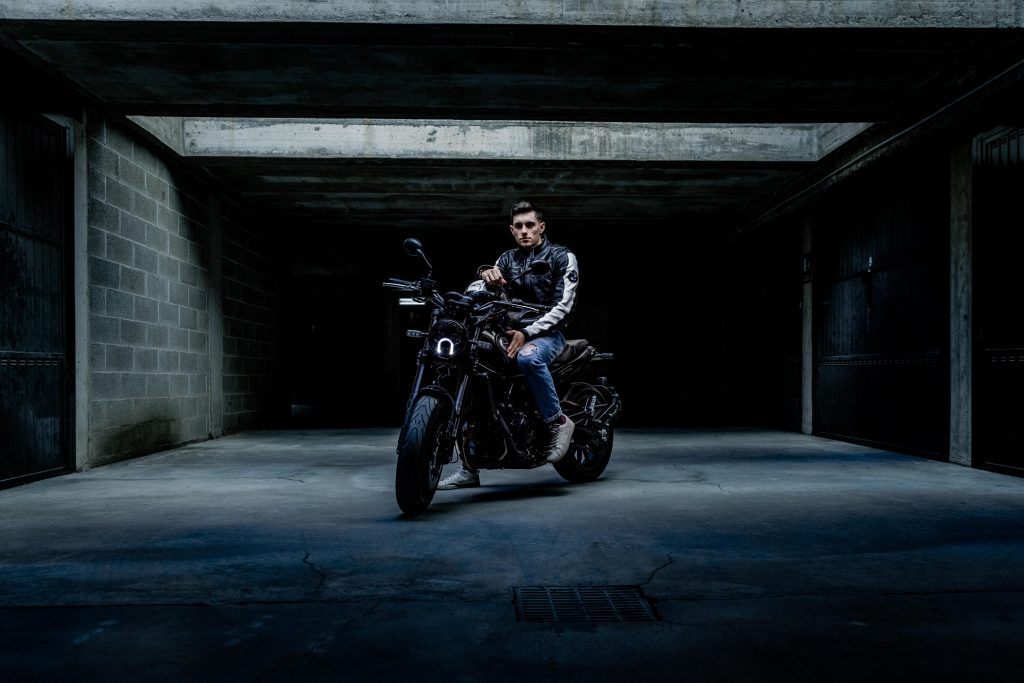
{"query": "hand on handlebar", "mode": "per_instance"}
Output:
(492, 277)
(518, 339)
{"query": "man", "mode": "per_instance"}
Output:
(539, 341)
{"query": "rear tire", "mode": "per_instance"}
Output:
(587, 456)
(419, 455)
(585, 461)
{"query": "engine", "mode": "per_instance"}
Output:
(484, 445)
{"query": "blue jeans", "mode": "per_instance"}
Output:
(533, 360)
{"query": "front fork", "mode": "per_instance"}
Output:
(451, 431)
(421, 368)
(416, 385)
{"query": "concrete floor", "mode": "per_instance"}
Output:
(279, 556)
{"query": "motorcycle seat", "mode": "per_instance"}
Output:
(573, 349)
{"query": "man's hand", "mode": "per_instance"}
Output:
(492, 277)
(518, 339)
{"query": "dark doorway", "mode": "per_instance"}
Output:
(999, 291)
(35, 194)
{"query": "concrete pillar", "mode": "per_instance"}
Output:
(215, 225)
(960, 304)
(807, 339)
(78, 440)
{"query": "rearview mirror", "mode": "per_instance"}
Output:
(413, 246)
(540, 268)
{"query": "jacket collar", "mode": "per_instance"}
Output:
(535, 252)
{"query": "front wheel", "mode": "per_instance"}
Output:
(420, 455)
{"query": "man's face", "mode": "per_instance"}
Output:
(527, 230)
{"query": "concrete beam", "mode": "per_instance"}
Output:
(668, 13)
(511, 140)
(166, 129)
(833, 135)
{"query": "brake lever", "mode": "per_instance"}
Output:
(402, 287)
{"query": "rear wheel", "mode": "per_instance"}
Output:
(420, 455)
(591, 446)
(586, 459)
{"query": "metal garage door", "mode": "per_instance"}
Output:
(999, 297)
(881, 293)
(35, 187)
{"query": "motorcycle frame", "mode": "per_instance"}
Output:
(467, 366)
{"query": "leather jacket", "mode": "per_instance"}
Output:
(557, 288)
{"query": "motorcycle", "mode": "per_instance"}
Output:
(469, 398)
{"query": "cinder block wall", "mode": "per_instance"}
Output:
(252, 272)
(151, 293)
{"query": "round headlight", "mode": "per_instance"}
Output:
(447, 339)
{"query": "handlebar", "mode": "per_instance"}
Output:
(516, 303)
(423, 290)
(405, 285)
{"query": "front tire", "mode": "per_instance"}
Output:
(420, 455)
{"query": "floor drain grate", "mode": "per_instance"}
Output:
(582, 603)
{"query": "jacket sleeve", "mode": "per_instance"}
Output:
(564, 297)
(501, 264)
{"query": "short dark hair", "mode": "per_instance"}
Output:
(525, 207)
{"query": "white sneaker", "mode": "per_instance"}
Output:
(462, 479)
(561, 435)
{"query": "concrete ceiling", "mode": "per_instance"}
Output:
(573, 73)
(869, 65)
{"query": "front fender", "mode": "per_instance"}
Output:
(434, 391)
(438, 392)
